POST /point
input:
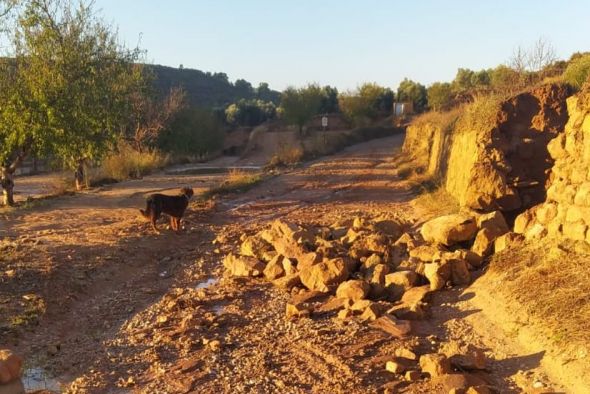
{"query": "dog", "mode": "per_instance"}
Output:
(173, 206)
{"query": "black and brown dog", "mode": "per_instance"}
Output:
(173, 206)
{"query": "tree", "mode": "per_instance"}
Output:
(504, 79)
(366, 102)
(329, 102)
(415, 92)
(440, 96)
(244, 88)
(72, 81)
(194, 131)
(300, 105)
(150, 115)
(249, 112)
(463, 81)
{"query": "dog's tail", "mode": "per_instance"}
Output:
(147, 213)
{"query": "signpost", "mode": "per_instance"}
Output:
(325, 122)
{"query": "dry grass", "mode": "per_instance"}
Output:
(552, 284)
(237, 181)
(127, 163)
(287, 156)
(434, 199)
(445, 119)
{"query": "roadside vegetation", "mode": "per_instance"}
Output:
(236, 181)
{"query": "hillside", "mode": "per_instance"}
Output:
(205, 89)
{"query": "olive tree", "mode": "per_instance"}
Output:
(300, 105)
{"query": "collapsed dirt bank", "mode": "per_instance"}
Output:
(128, 310)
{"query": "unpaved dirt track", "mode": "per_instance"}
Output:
(129, 311)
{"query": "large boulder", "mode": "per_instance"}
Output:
(243, 265)
(353, 289)
(449, 229)
(324, 276)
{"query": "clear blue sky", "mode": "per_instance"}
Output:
(344, 42)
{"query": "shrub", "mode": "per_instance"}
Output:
(128, 163)
(577, 71)
(286, 156)
(236, 181)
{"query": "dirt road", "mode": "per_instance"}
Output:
(111, 307)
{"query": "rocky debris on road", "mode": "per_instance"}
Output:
(10, 373)
(372, 266)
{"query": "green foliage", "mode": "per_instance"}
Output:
(504, 78)
(415, 92)
(206, 90)
(468, 82)
(71, 84)
(250, 112)
(577, 71)
(194, 132)
(463, 80)
(440, 96)
(300, 105)
(367, 102)
(329, 100)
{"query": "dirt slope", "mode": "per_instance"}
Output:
(129, 311)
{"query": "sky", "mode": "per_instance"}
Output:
(344, 43)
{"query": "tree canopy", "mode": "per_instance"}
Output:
(299, 105)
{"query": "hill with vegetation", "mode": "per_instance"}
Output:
(209, 90)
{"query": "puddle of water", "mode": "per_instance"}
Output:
(210, 170)
(38, 379)
(207, 283)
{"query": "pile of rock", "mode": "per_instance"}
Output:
(10, 373)
(453, 371)
(372, 268)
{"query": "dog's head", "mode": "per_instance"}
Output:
(187, 192)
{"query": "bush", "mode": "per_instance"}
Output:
(236, 181)
(287, 156)
(577, 71)
(127, 163)
(194, 132)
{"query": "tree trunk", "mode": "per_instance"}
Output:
(7, 171)
(80, 176)
(7, 182)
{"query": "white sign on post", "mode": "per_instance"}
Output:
(324, 121)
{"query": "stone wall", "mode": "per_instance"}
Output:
(566, 210)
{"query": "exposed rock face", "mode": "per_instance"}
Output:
(502, 165)
(566, 211)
